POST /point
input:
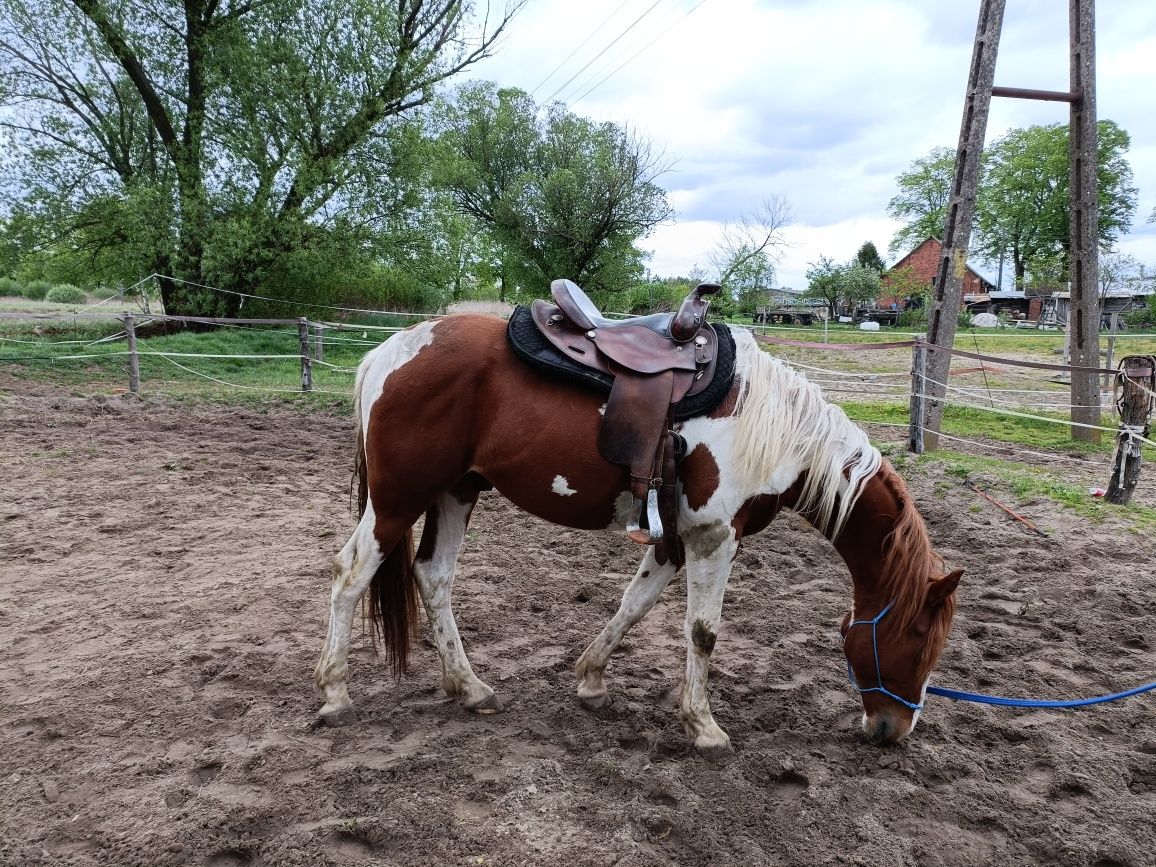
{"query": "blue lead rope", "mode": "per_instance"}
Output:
(977, 697)
(980, 698)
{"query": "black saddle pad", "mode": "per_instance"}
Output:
(532, 347)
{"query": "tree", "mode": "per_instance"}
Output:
(868, 257)
(921, 203)
(745, 257)
(1023, 205)
(561, 195)
(213, 140)
(1022, 200)
(841, 286)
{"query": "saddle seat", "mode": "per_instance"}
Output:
(655, 361)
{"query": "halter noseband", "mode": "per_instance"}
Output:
(874, 623)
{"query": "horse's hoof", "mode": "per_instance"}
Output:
(595, 702)
(715, 753)
(342, 716)
(489, 704)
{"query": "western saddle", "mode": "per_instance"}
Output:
(655, 362)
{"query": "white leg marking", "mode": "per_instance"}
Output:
(710, 549)
(641, 594)
(353, 569)
(435, 579)
(562, 488)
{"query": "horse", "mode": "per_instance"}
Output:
(445, 410)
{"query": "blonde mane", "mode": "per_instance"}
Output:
(783, 418)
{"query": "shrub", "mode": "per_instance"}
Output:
(37, 289)
(65, 293)
(10, 288)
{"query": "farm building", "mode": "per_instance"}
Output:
(923, 263)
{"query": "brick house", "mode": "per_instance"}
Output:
(924, 264)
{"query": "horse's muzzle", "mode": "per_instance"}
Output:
(886, 728)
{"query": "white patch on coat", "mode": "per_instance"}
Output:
(383, 360)
(784, 427)
(602, 409)
(562, 488)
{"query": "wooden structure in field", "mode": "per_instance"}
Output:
(1083, 210)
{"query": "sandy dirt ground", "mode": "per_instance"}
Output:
(164, 576)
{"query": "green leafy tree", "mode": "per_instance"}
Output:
(1023, 205)
(868, 257)
(222, 141)
(561, 195)
(841, 287)
(921, 203)
(913, 294)
(1022, 200)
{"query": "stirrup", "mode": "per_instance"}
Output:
(652, 535)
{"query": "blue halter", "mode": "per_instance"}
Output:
(874, 623)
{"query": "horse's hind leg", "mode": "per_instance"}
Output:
(353, 569)
(437, 556)
(641, 594)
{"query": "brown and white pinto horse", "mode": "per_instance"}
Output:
(445, 410)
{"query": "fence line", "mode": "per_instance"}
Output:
(832, 381)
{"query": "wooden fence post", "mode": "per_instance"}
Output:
(133, 355)
(306, 361)
(1138, 379)
(319, 341)
(918, 396)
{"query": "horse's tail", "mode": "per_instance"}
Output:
(391, 605)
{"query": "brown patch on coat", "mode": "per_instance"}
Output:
(700, 474)
(702, 637)
(727, 407)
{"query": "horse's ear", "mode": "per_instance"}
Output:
(938, 590)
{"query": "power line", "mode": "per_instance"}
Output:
(593, 33)
(640, 51)
(614, 42)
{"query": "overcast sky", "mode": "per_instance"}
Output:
(822, 102)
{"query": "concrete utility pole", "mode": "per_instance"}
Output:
(1083, 212)
(1084, 219)
(960, 214)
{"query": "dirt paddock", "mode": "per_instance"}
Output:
(163, 597)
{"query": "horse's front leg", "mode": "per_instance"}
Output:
(641, 594)
(710, 549)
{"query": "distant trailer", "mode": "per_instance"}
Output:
(782, 316)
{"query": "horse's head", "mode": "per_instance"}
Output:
(890, 657)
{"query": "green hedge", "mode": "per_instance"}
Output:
(10, 288)
(65, 293)
(37, 290)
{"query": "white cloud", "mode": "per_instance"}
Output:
(822, 102)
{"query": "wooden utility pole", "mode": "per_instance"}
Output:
(1138, 380)
(306, 361)
(133, 355)
(960, 214)
(915, 441)
(1084, 220)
